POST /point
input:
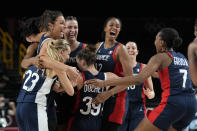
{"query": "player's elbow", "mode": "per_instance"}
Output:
(70, 91)
(23, 65)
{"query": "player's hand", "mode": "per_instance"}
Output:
(73, 75)
(36, 62)
(101, 98)
(45, 62)
(95, 82)
(149, 93)
(57, 87)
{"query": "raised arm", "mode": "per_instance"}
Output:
(72, 72)
(123, 58)
(65, 82)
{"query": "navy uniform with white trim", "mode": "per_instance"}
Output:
(87, 116)
(31, 114)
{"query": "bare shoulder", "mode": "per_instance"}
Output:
(121, 49)
(161, 59)
(193, 45)
(161, 56)
(44, 46)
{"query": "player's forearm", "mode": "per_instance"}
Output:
(65, 82)
(117, 89)
(58, 66)
(27, 62)
(123, 81)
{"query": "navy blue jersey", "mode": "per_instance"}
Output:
(73, 54)
(175, 79)
(36, 86)
(106, 61)
(84, 107)
(178, 104)
(135, 92)
(42, 39)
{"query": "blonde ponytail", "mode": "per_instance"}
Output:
(54, 46)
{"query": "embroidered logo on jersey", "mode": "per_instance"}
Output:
(138, 70)
(111, 52)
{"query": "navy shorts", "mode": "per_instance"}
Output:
(135, 114)
(84, 124)
(31, 117)
(178, 111)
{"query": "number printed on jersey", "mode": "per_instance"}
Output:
(90, 109)
(98, 66)
(132, 87)
(184, 73)
(31, 80)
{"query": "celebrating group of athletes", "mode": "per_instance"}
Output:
(75, 86)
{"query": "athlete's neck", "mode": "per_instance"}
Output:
(133, 62)
(109, 43)
(73, 45)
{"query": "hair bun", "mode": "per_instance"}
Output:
(177, 42)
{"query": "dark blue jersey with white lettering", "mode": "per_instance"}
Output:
(83, 106)
(135, 92)
(175, 78)
(106, 61)
(36, 86)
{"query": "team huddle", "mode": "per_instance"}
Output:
(75, 86)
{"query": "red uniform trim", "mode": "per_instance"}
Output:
(70, 123)
(119, 110)
(114, 57)
(165, 84)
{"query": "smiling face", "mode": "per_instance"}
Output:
(112, 29)
(57, 29)
(132, 49)
(71, 30)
